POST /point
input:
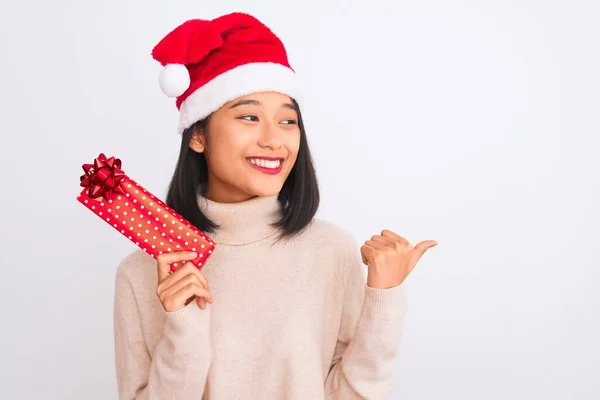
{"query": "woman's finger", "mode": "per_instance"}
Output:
(165, 260)
(386, 241)
(395, 237)
(178, 285)
(179, 298)
(194, 270)
(201, 303)
(375, 245)
(187, 269)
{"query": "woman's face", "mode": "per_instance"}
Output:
(252, 146)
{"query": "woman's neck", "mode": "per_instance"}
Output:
(223, 192)
(244, 221)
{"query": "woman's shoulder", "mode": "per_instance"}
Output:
(137, 266)
(332, 244)
(331, 234)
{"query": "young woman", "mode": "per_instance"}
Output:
(281, 309)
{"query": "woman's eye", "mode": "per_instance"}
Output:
(254, 118)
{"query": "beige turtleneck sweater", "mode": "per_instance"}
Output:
(295, 320)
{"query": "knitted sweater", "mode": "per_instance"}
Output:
(290, 320)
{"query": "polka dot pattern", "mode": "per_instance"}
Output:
(149, 223)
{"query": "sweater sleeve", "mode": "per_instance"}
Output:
(368, 341)
(180, 363)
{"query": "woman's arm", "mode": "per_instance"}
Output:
(181, 360)
(371, 328)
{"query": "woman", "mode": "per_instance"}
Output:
(281, 309)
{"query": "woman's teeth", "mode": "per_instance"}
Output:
(266, 163)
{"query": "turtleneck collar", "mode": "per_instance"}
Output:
(243, 222)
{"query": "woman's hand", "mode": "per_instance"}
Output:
(390, 258)
(176, 290)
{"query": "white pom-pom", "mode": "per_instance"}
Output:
(174, 80)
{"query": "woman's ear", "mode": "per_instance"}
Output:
(198, 141)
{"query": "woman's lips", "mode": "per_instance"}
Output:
(267, 165)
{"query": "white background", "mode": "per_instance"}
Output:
(474, 123)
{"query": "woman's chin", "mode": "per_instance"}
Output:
(266, 189)
(267, 192)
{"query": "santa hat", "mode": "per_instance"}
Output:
(208, 63)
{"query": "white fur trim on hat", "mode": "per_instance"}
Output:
(236, 82)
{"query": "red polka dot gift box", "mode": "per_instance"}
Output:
(137, 214)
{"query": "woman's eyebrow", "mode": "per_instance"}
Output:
(244, 102)
(257, 103)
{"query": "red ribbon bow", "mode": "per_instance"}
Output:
(103, 177)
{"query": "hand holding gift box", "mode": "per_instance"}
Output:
(138, 215)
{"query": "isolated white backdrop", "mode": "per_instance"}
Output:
(474, 123)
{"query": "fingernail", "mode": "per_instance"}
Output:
(193, 254)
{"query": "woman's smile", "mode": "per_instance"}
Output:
(267, 165)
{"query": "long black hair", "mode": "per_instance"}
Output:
(299, 197)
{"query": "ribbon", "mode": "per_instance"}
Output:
(103, 177)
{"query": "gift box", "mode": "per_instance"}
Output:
(137, 214)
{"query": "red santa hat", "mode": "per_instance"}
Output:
(208, 63)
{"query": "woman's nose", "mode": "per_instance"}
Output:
(270, 136)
